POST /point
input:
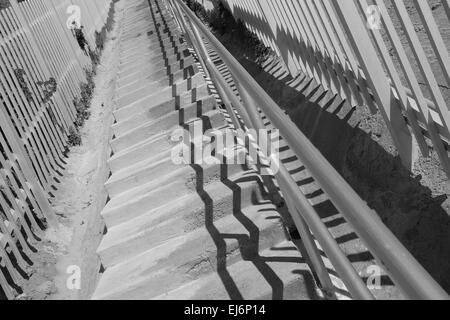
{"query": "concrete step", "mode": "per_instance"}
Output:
(162, 32)
(156, 74)
(136, 95)
(164, 44)
(142, 172)
(151, 97)
(139, 93)
(156, 58)
(167, 124)
(157, 49)
(166, 47)
(142, 152)
(143, 35)
(280, 273)
(190, 105)
(145, 197)
(172, 219)
(147, 84)
(159, 75)
(130, 35)
(146, 68)
(153, 57)
(163, 143)
(154, 86)
(149, 33)
(151, 63)
(184, 180)
(196, 254)
(141, 52)
(130, 38)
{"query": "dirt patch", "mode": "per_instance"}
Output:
(80, 198)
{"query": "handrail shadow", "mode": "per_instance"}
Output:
(248, 244)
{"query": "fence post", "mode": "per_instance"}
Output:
(365, 52)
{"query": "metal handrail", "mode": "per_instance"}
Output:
(296, 201)
(404, 270)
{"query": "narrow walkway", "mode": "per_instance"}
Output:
(183, 231)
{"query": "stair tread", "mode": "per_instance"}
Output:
(182, 215)
(280, 273)
(175, 257)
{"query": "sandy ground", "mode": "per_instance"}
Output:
(80, 197)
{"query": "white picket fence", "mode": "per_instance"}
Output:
(37, 49)
(347, 46)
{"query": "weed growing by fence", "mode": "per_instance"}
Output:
(49, 88)
(82, 106)
(74, 137)
(20, 75)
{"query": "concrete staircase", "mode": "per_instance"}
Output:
(184, 231)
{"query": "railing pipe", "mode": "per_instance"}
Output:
(404, 270)
(297, 202)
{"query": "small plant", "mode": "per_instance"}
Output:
(87, 88)
(78, 33)
(83, 113)
(49, 88)
(74, 137)
(82, 106)
(95, 59)
(20, 75)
